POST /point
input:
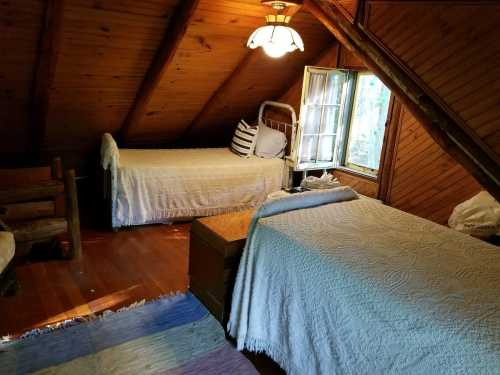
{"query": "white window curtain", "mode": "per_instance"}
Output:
(321, 117)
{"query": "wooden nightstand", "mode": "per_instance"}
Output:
(215, 249)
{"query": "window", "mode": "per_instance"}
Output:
(367, 125)
(342, 120)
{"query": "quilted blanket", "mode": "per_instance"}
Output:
(156, 186)
(356, 287)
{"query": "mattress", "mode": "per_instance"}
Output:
(155, 186)
(361, 288)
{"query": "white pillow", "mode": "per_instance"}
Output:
(271, 143)
(243, 143)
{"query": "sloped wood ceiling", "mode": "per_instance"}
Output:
(107, 47)
(105, 50)
(453, 49)
(212, 50)
(20, 23)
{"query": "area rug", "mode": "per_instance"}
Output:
(170, 336)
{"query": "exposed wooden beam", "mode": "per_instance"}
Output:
(441, 127)
(50, 37)
(175, 32)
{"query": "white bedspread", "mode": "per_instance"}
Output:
(159, 185)
(361, 288)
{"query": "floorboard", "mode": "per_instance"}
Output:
(116, 270)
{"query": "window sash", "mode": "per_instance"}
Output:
(346, 162)
(311, 154)
(308, 149)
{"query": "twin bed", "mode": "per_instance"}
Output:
(330, 283)
(160, 186)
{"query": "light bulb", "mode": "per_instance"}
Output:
(276, 40)
(275, 50)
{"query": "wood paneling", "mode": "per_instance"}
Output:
(164, 56)
(425, 180)
(348, 7)
(361, 184)
(105, 51)
(452, 48)
(213, 48)
(20, 25)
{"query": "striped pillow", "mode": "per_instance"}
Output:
(244, 139)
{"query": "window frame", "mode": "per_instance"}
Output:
(343, 132)
(303, 166)
(370, 172)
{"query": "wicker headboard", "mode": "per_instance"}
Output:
(289, 128)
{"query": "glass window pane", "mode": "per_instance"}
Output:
(334, 87)
(312, 119)
(366, 135)
(330, 119)
(325, 148)
(309, 147)
(316, 88)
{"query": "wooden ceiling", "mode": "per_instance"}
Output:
(101, 51)
(73, 69)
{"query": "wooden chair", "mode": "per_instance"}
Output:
(38, 204)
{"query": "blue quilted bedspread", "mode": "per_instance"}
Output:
(356, 287)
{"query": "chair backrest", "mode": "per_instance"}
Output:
(31, 193)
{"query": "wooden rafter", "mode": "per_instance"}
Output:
(441, 127)
(50, 38)
(164, 56)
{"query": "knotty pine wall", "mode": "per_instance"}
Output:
(20, 23)
(452, 49)
(424, 180)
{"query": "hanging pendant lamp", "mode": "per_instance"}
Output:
(276, 38)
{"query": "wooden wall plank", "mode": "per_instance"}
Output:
(106, 49)
(166, 52)
(452, 49)
(425, 180)
(20, 25)
(214, 46)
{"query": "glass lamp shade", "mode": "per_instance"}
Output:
(276, 40)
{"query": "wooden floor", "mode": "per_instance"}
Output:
(116, 269)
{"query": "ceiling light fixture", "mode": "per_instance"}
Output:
(276, 38)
